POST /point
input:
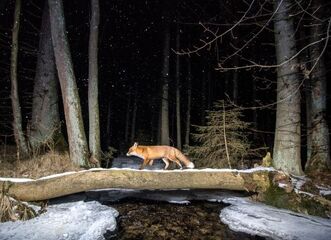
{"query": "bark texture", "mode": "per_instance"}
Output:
(72, 110)
(188, 109)
(21, 143)
(178, 115)
(288, 132)
(165, 90)
(93, 102)
(41, 189)
(319, 143)
(45, 122)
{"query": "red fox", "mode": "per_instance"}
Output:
(166, 153)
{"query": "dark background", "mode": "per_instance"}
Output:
(130, 62)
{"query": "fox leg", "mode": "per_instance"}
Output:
(178, 163)
(145, 162)
(151, 162)
(166, 161)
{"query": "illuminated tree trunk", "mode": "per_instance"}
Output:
(319, 131)
(127, 118)
(21, 143)
(288, 132)
(165, 90)
(134, 117)
(178, 117)
(93, 102)
(235, 88)
(45, 122)
(72, 109)
(189, 99)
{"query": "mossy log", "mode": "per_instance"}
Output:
(60, 185)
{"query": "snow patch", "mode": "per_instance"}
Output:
(184, 202)
(259, 219)
(16, 179)
(324, 191)
(298, 181)
(71, 221)
(201, 170)
(59, 175)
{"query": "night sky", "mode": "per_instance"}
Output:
(130, 61)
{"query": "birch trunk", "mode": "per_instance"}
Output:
(72, 109)
(21, 143)
(288, 132)
(93, 102)
(45, 122)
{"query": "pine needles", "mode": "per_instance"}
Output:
(223, 141)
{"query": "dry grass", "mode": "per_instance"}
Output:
(35, 167)
(13, 210)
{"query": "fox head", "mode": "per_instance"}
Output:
(132, 150)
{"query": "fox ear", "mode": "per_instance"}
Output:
(135, 144)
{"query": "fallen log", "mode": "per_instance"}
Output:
(252, 180)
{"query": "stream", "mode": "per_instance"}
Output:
(161, 220)
(165, 214)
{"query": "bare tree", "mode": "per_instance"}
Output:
(21, 143)
(72, 109)
(93, 102)
(45, 121)
(286, 154)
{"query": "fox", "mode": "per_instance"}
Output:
(166, 153)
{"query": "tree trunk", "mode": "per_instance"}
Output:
(93, 102)
(178, 117)
(189, 99)
(45, 122)
(42, 189)
(108, 128)
(235, 77)
(320, 142)
(254, 100)
(72, 109)
(21, 143)
(134, 117)
(308, 119)
(288, 133)
(127, 118)
(165, 89)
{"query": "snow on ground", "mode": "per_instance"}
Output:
(67, 221)
(255, 218)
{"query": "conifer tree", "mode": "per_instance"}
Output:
(222, 142)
